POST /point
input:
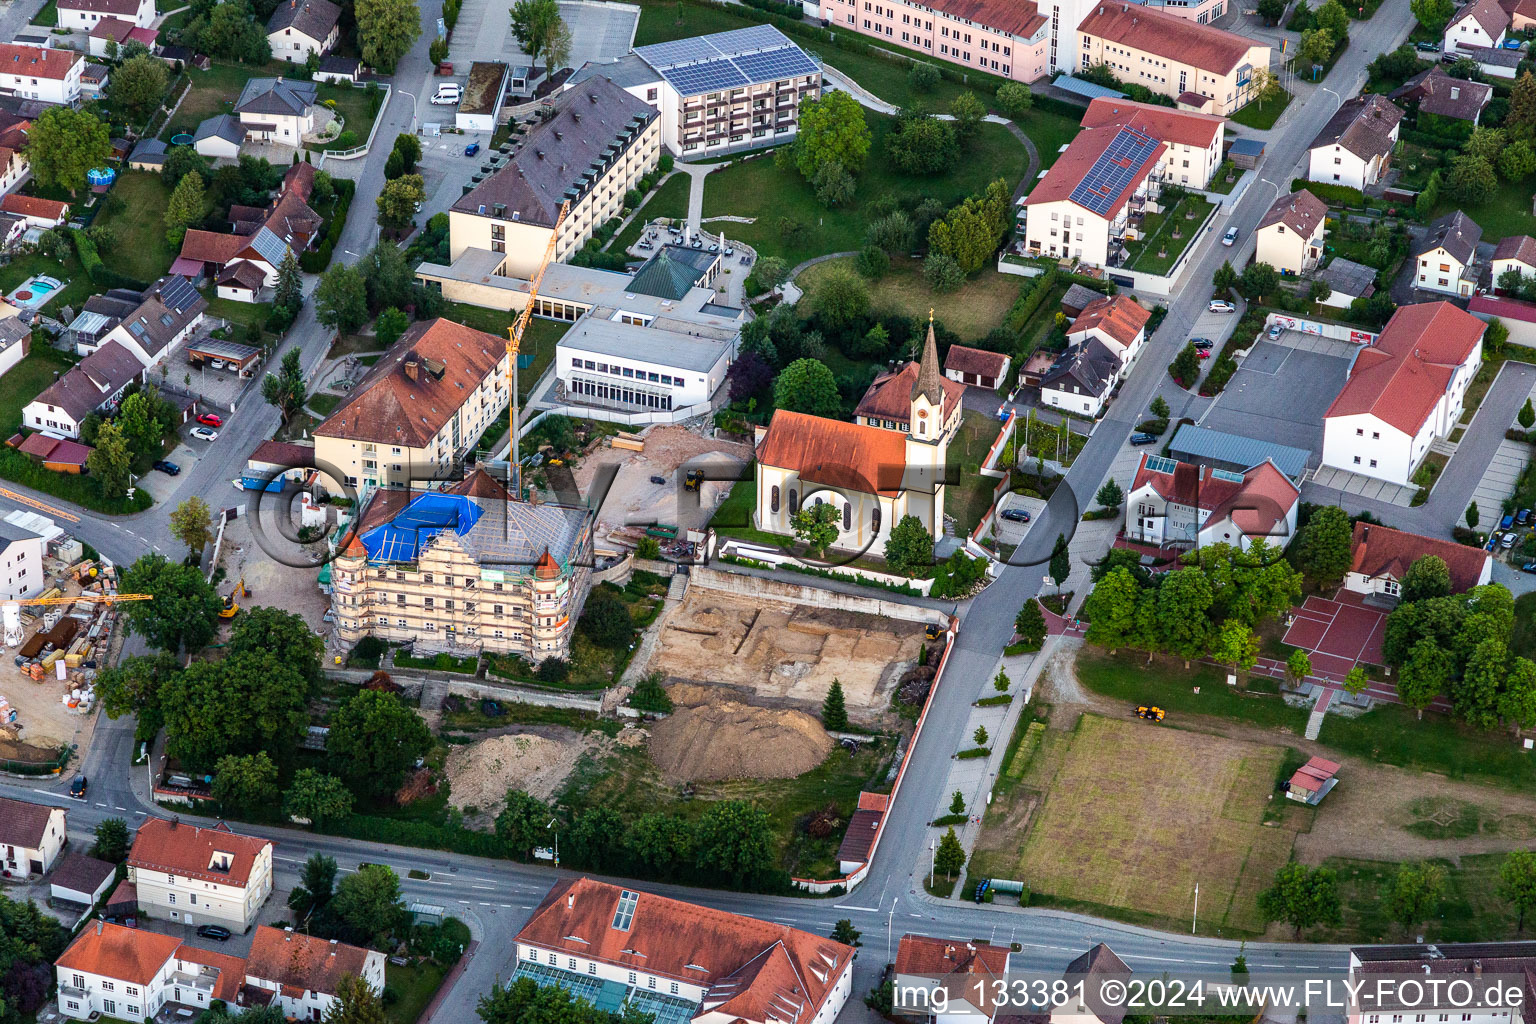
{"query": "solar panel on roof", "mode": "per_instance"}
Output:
(714, 76)
(773, 65)
(1114, 170)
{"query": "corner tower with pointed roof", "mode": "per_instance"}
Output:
(935, 415)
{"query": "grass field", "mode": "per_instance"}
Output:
(1126, 677)
(1391, 734)
(789, 222)
(976, 308)
(142, 250)
(670, 199)
(1469, 911)
(1508, 212)
(213, 92)
(415, 985)
(1262, 117)
(26, 379)
(77, 286)
(970, 494)
(1134, 816)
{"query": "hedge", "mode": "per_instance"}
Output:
(99, 273)
(1029, 300)
(315, 260)
(402, 832)
(1330, 193)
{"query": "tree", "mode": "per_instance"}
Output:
(317, 797)
(1432, 14)
(367, 901)
(386, 30)
(137, 86)
(112, 840)
(64, 143)
(770, 272)
(245, 782)
(388, 277)
(1001, 682)
(834, 711)
(1520, 121)
(834, 186)
(1425, 204)
(1428, 576)
(1159, 407)
(1414, 893)
(1471, 516)
(816, 525)
(980, 735)
(248, 702)
(1424, 675)
(735, 841)
(1110, 495)
(968, 113)
(1225, 278)
(1111, 609)
(1517, 160)
(873, 263)
(400, 198)
(942, 273)
(288, 293)
(1527, 417)
(1485, 142)
(181, 161)
(317, 885)
(287, 388)
(1316, 46)
(390, 325)
(145, 418)
(1183, 601)
(1471, 180)
(1302, 897)
(921, 144)
(341, 299)
(1298, 665)
(923, 76)
(521, 824)
(894, 233)
(1517, 704)
(1323, 553)
(1355, 681)
(374, 740)
(806, 385)
(1258, 280)
(356, 1003)
(409, 148)
(832, 128)
(110, 461)
(1060, 565)
(1333, 17)
(949, 858)
(1271, 10)
(557, 48)
(842, 298)
(1185, 368)
(1014, 99)
(1494, 336)
(1475, 696)
(284, 634)
(533, 24)
(231, 31)
(192, 524)
(132, 687)
(1517, 882)
(185, 612)
(844, 931)
(1029, 624)
(1235, 645)
(972, 231)
(909, 548)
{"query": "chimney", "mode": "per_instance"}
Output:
(1455, 91)
(1477, 968)
(570, 901)
(412, 367)
(98, 926)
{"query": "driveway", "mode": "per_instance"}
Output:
(1279, 393)
(599, 31)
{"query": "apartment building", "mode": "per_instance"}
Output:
(597, 145)
(1011, 40)
(466, 567)
(133, 974)
(1195, 140)
(84, 15)
(21, 575)
(31, 835)
(1290, 234)
(414, 415)
(198, 876)
(1186, 504)
(1448, 255)
(41, 73)
(1183, 60)
(717, 93)
(1095, 196)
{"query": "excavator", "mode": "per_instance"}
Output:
(231, 609)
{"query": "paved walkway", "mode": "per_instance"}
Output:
(696, 172)
(792, 292)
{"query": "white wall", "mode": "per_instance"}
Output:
(192, 901)
(1093, 247)
(19, 860)
(1335, 165)
(21, 575)
(80, 20)
(1073, 401)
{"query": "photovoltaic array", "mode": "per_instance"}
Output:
(728, 60)
(1115, 168)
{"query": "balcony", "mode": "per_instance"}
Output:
(71, 992)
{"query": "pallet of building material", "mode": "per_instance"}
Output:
(628, 442)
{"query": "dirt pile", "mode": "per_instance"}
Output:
(537, 763)
(730, 740)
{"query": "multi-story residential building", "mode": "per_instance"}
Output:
(1446, 963)
(1012, 40)
(414, 415)
(198, 876)
(1379, 558)
(1290, 235)
(1479, 24)
(31, 835)
(300, 973)
(717, 93)
(1095, 195)
(1184, 504)
(1403, 392)
(1355, 146)
(970, 977)
(1514, 252)
(21, 575)
(1446, 258)
(82, 15)
(1171, 56)
(467, 567)
(95, 383)
(133, 974)
(681, 961)
(298, 28)
(597, 145)
(1195, 140)
(151, 326)
(41, 73)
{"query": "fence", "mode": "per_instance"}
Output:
(53, 766)
(1322, 328)
(360, 151)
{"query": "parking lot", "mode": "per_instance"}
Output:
(1281, 390)
(599, 31)
(1009, 532)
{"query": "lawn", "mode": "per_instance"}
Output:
(324, 404)
(1392, 734)
(972, 311)
(1126, 829)
(77, 286)
(539, 339)
(1262, 116)
(1507, 213)
(49, 15)
(358, 106)
(968, 494)
(669, 199)
(415, 984)
(791, 223)
(1127, 677)
(1049, 132)
(26, 379)
(213, 92)
(354, 344)
(1469, 911)
(142, 250)
(1147, 253)
(1219, 182)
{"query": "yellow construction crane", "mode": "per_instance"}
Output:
(22, 499)
(10, 611)
(515, 340)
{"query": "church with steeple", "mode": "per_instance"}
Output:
(887, 464)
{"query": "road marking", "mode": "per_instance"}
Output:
(485, 904)
(287, 860)
(845, 906)
(139, 813)
(482, 887)
(101, 805)
(433, 881)
(505, 906)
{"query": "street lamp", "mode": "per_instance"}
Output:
(551, 825)
(413, 106)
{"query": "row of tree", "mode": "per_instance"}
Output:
(30, 941)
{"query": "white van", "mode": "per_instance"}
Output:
(448, 92)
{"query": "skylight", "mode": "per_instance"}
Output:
(626, 910)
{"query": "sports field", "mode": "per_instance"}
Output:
(1134, 814)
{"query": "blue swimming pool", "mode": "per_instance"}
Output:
(35, 291)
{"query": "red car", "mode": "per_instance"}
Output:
(209, 419)
(1203, 353)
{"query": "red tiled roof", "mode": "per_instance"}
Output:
(1016, 19)
(751, 968)
(123, 954)
(959, 965)
(1185, 127)
(37, 61)
(284, 453)
(480, 484)
(112, 28)
(863, 828)
(162, 845)
(302, 962)
(889, 396)
(124, 8)
(1519, 8)
(1119, 316)
(211, 246)
(1503, 307)
(822, 451)
(1262, 499)
(1168, 35)
(1400, 378)
(1314, 773)
(1302, 212)
(81, 873)
(32, 206)
(1378, 551)
(54, 449)
(962, 359)
(23, 824)
(1072, 166)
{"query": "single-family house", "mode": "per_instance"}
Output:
(15, 343)
(1522, 14)
(219, 137)
(14, 165)
(217, 255)
(97, 382)
(83, 15)
(1290, 235)
(54, 454)
(1081, 379)
(1346, 281)
(1355, 147)
(1439, 94)
(1185, 504)
(1514, 253)
(301, 972)
(1404, 391)
(1445, 258)
(1119, 322)
(965, 979)
(198, 876)
(151, 325)
(1478, 24)
(1379, 557)
(31, 835)
(119, 33)
(41, 73)
(277, 110)
(37, 212)
(298, 28)
(976, 366)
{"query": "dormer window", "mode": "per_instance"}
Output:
(220, 861)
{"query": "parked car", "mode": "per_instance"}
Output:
(168, 468)
(1506, 522)
(1508, 541)
(215, 931)
(1222, 306)
(204, 434)
(1427, 47)
(1203, 353)
(447, 92)
(1015, 515)
(1528, 567)
(1201, 343)
(209, 419)
(1523, 516)
(217, 364)
(472, 149)
(1275, 330)
(1230, 238)
(1141, 439)
(78, 787)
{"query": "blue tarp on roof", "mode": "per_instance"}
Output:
(400, 539)
(1087, 90)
